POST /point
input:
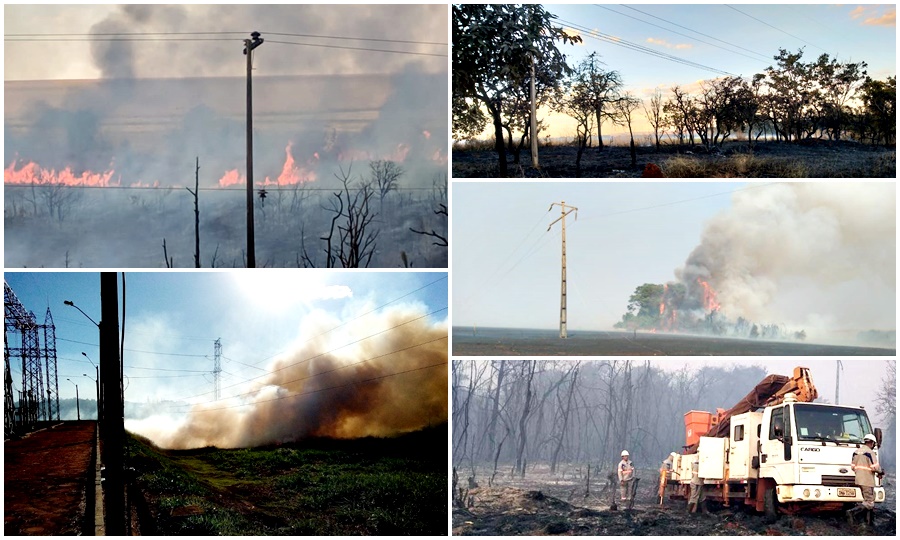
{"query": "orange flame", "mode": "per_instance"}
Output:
(710, 300)
(32, 173)
(291, 173)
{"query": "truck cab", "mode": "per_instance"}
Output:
(807, 449)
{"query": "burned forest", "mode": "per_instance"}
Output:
(535, 446)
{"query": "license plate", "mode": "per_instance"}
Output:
(846, 492)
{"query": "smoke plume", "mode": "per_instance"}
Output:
(814, 255)
(336, 384)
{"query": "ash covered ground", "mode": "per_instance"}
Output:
(555, 504)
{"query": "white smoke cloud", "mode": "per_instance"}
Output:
(814, 254)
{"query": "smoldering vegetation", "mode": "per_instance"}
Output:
(315, 135)
(382, 376)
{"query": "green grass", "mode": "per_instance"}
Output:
(341, 488)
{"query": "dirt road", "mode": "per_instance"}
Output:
(45, 478)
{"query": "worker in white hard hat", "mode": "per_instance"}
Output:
(626, 476)
(865, 465)
(696, 487)
(664, 470)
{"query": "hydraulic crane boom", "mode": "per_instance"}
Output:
(770, 391)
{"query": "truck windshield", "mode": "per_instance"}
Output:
(838, 424)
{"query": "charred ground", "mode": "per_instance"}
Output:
(542, 504)
(807, 159)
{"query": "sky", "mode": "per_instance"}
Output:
(262, 317)
(25, 58)
(848, 32)
(815, 256)
(860, 379)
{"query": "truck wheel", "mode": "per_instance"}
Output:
(770, 505)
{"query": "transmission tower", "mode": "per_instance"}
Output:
(9, 406)
(22, 322)
(50, 364)
(217, 365)
(563, 316)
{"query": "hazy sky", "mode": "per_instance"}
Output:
(815, 255)
(197, 53)
(172, 320)
(860, 379)
(849, 32)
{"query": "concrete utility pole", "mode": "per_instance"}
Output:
(562, 302)
(217, 366)
(249, 45)
(77, 400)
(837, 383)
(99, 395)
(113, 427)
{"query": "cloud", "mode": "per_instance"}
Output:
(874, 16)
(886, 19)
(666, 44)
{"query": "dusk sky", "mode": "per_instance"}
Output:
(740, 40)
(814, 256)
(172, 320)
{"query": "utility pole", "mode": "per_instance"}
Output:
(217, 365)
(534, 142)
(837, 383)
(563, 316)
(113, 428)
(77, 400)
(249, 45)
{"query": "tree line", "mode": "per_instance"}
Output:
(496, 46)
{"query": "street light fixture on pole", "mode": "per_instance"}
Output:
(249, 45)
(77, 404)
(97, 380)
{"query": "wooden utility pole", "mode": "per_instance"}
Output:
(196, 193)
(534, 142)
(249, 45)
(563, 316)
(113, 428)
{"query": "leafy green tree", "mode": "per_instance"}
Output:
(493, 47)
(878, 118)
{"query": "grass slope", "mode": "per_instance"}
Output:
(371, 486)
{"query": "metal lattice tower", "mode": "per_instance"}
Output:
(22, 321)
(217, 365)
(50, 364)
(9, 406)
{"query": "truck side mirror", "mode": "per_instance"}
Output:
(878, 437)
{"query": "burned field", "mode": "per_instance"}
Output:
(808, 159)
(326, 487)
(514, 342)
(543, 504)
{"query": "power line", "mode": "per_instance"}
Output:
(689, 29)
(282, 384)
(640, 48)
(136, 350)
(353, 383)
(773, 27)
(145, 34)
(320, 354)
(355, 48)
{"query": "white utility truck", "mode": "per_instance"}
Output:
(774, 451)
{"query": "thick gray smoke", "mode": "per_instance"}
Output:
(162, 104)
(815, 256)
(337, 385)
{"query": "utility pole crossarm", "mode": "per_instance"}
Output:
(564, 213)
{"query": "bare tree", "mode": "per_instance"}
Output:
(351, 219)
(384, 175)
(655, 115)
(625, 107)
